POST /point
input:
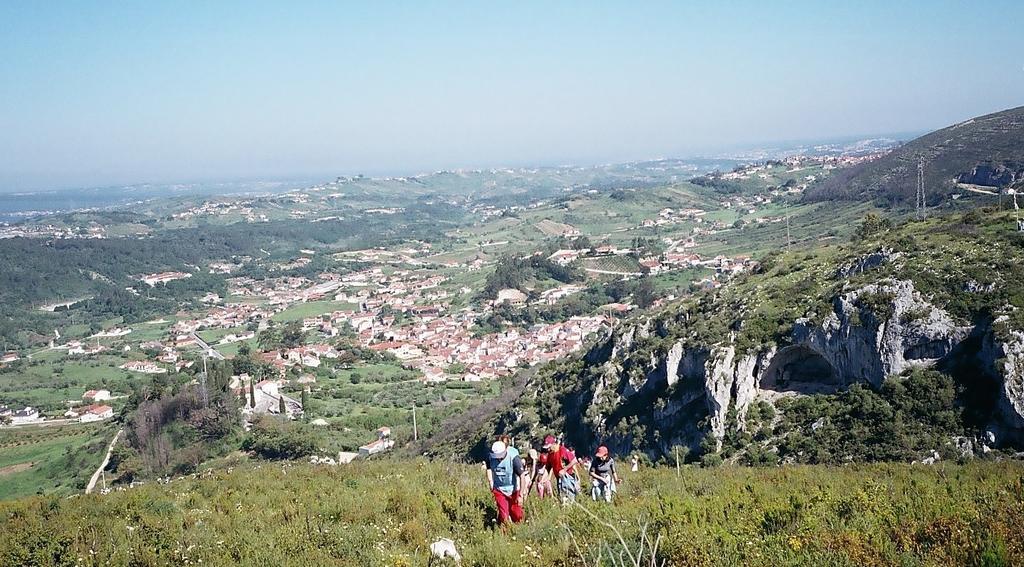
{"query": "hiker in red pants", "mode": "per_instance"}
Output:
(505, 477)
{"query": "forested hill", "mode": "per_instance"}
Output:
(986, 151)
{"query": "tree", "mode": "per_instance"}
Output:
(269, 339)
(872, 224)
(644, 294)
(280, 406)
(252, 394)
(242, 396)
(293, 335)
(305, 398)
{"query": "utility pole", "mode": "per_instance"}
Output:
(789, 241)
(922, 211)
(415, 431)
(1016, 210)
(202, 383)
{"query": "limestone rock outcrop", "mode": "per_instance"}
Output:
(872, 333)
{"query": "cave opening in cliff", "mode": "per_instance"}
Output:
(800, 369)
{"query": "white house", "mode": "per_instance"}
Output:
(383, 443)
(96, 395)
(268, 400)
(27, 415)
(510, 296)
(96, 413)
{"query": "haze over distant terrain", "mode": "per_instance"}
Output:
(97, 94)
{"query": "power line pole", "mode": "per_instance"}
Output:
(789, 241)
(202, 383)
(415, 431)
(922, 211)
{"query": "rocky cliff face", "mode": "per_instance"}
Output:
(993, 174)
(686, 390)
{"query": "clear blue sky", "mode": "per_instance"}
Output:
(101, 93)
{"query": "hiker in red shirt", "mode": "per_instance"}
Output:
(561, 462)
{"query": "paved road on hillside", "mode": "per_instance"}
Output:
(610, 272)
(206, 347)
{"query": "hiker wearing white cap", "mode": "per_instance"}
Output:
(505, 478)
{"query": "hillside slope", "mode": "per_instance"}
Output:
(387, 513)
(902, 344)
(986, 151)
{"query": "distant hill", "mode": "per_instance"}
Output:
(987, 151)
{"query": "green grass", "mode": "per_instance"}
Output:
(62, 458)
(231, 349)
(678, 281)
(357, 401)
(310, 309)
(387, 513)
(50, 379)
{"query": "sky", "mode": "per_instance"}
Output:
(98, 93)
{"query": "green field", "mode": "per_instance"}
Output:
(310, 309)
(53, 459)
(50, 379)
(356, 401)
(678, 281)
(388, 512)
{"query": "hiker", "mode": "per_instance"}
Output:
(507, 440)
(538, 475)
(561, 464)
(505, 478)
(603, 475)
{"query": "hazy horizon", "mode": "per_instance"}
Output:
(103, 94)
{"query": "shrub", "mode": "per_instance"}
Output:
(275, 439)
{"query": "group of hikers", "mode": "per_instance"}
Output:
(554, 471)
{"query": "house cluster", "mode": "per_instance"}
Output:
(50, 231)
(143, 366)
(668, 216)
(90, 413)
(309, 356)
(747, 204)
(433, 345)
(268, 399)
(78, 348)
(163, 277)
(20, 417)
(222, 317)
(168, 353)
(220, 208)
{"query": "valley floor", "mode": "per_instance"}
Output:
(387, 513)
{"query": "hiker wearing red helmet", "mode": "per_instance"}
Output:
(603, 476)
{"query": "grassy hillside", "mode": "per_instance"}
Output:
(965, 264)
(987, 150)
(387, 513)
(54, 459)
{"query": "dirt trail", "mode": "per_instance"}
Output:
(106, 459)
(11, 469)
